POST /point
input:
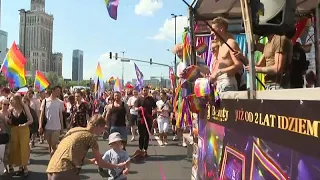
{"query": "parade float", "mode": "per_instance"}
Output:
(253, 134)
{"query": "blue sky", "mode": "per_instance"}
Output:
(144, 30)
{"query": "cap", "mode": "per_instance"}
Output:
(114, 137)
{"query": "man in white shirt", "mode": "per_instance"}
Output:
(133, 113)
(163, 118)
(51, 109)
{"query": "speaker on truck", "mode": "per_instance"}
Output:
(273, 16)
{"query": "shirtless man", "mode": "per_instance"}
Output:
(228, 64)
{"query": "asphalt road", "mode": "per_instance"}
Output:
(170, 161)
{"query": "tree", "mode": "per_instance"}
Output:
(3, 81)
(53, 78)
(30, 81)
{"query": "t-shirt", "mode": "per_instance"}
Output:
(164, 106)
(72, 150)
(148, 103)
(52, 112)
(278, 44)
(130, 103)
(114, 157)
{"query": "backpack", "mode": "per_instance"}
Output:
(298, 66)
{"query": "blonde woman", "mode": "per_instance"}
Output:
(69, 157)
(19, 119)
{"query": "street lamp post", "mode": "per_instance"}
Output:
(175, 40)
(122, 81)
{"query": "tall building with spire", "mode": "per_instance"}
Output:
(35, 37)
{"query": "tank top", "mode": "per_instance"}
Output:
(118, 115)
(21, 119)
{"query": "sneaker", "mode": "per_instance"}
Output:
(160, 143)
(165, 143)
(174, 137)
(132, 139)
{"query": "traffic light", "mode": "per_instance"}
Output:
(273, 16)
(110, 55)
(116, 56)
(150, 61)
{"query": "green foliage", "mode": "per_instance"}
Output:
(3, 81)
(53, 79)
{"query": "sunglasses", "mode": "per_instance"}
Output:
(6, 104)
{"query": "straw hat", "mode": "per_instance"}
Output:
(114, 137)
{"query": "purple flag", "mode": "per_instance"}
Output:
(139, 84)
(112, 6)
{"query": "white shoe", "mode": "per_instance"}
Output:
(160, 143)
(165, 143)
(132, 139)
(174, 137)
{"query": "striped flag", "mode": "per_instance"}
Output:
(112, 6)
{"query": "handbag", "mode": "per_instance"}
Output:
(4, 138)
(44, 117)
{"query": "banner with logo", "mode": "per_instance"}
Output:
(255, 139)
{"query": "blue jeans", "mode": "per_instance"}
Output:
(122, 130)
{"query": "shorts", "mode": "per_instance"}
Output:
(122, 130)
(225, 83)
(133, 119)
(163, 125)
(52, 137)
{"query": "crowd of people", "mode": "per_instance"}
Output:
(46, 115)
(69, 122)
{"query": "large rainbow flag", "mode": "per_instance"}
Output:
(13, 67)
(40, 81)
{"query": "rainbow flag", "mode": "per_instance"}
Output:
(112, 6)
(40, 81)
(98, 81)
(186, 47)
(13, 67)
(111, 80)
(117, 86)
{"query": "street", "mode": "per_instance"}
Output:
(170, 161)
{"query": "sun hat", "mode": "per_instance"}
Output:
(114, 137)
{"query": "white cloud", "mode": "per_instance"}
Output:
(110, 67)
(167, 30)
(148, 7)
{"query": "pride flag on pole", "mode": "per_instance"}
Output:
(139, 83)
(13, 67)
(112, 6)
(99, 86)
(40, 81)
(117, 86)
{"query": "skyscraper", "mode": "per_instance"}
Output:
(77, 65)
(35, 37)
